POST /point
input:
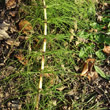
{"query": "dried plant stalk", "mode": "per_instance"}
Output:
(43, 59)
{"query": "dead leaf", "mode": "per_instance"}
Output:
(90, 62)
(99, 18)
(4, 26)
(10, 4)
(61, 88)
(87, 70)
(106, 50)
(21, 58)
(3, 35)
(105, 28)
(12, 42)
(25, 27)
(88, 66)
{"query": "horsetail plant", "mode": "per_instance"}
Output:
(43, 59)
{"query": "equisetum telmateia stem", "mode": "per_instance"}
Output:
(43, 59)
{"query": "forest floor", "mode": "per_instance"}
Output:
(89, 90)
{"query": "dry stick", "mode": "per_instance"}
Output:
(44, 50)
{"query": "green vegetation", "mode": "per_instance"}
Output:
(74, 35)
